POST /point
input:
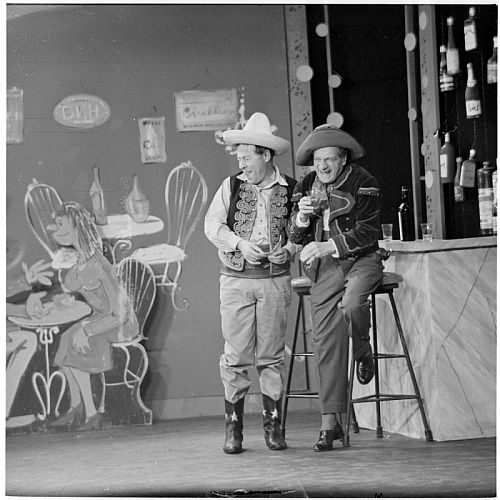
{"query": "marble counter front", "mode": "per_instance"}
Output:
(447, 306)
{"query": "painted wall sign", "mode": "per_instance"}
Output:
(14, 116)
(152, 132)
(81, 111)
(206, 110)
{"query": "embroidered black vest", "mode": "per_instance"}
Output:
(242, 213)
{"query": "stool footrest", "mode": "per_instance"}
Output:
(388, 356)
(373, 398)
(301, 354)
(302, 394)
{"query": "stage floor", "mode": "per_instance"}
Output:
(180, 458)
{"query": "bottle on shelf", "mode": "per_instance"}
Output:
(472, 95)
(485, 198)
(494, 184)
(452, 56)
(136, 204)
(458, 190)
(97, 198)
(447, 160)
(446, 82)
(405, 216)
(470, 31)
(468, 173)
(492, 64)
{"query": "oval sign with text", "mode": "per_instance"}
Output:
(82, 111)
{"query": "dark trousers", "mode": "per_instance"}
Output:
(341, 309)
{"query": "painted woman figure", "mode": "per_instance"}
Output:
(86, 347)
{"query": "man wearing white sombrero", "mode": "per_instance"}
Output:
(247, 222)
(342, 258)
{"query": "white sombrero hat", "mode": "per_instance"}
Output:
(257, 131)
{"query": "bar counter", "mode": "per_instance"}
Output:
(447, 307)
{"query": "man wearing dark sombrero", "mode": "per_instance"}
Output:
(341, 257)
(247, 221)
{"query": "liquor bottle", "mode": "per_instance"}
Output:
(97, 198)
(446, 82)
(458, 189)
(470, 31)
(485, 199)
(468, 173)
(472, 96)
(452, 58)
(447, 159)
(494, 184)
(405, 217)
(492, 64)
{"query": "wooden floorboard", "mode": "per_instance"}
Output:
(182, 458)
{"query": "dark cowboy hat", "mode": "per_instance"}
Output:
(327, 136)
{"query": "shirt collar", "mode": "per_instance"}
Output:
(278, 178)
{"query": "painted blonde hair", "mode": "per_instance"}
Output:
(88, 237)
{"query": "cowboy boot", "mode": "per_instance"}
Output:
(272, 424)
(234, 426)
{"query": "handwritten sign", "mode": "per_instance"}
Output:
(152, 137)
(14, 116)
(81, 111)
(206, 110)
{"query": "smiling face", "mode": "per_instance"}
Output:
(256, 167)
(63, 231)
(329, 163)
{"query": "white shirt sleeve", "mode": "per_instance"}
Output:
(216, 228)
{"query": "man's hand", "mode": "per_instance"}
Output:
(315, 250)
(37, 272)
(251, 252)
(34, 306)
(81, 341)
(279, 256)
(306, 209)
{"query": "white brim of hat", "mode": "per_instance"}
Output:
(277, 144)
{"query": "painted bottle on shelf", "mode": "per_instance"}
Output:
(485, 199)
(468, 173)
(405, 216)
(470, 31)
(458, 190)
(136, 204)
(447, 160)
(492, 64)
(446, 82)
(97, 198)
(452, 56)
(473, 107)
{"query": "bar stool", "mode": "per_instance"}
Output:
(302, 286)
(389, 282)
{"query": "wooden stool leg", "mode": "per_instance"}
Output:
(380, 432)
(350, 406)
(428, 432)
(300, 313)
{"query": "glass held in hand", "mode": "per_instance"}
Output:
(426, 231)
(317, 197)
(386, 232)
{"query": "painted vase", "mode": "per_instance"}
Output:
(137, 205)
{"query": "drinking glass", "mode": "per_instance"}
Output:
(387, 232)
(426, 231)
